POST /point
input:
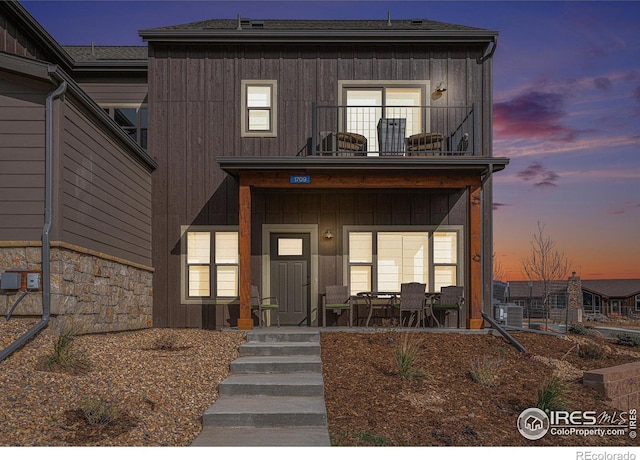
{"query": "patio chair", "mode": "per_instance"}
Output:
(451, 300)
(337, 298)
(413, 299)
(258, 303)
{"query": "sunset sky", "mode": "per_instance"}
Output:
(566, 106)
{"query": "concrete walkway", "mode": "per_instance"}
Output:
(274, 395)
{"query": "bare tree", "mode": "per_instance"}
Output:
(545, 264)
(498, 270)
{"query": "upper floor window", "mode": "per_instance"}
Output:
(133, 120)
(367, 102)
(259, 108)
(638, 302)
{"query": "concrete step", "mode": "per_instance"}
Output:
(275, 364)
(305, 384)
(279, 349)
(266, 411)
(282, 335)
(295, 436)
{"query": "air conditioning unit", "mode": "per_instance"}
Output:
(514, 316)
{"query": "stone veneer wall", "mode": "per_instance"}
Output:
(97, 294)
(574, 298)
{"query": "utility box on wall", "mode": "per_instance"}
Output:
(21, 280)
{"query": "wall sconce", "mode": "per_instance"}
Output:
(442, 87)
(328, 235)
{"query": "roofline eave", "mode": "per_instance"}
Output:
(320, 36)
(235, 165)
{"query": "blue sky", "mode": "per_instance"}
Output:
(566, 106)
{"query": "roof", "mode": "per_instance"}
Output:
(621, 288)
(106, 53)
(318, 24)
(321, 31)
(614, 288)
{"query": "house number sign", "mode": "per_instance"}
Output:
(300, 179)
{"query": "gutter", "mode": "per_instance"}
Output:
(48, 221)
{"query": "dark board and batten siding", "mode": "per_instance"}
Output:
(14, 41)
(105, 193)
(194, 102)
(22, 141)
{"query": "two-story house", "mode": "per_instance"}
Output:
(293, 155)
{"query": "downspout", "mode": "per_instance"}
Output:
(48, 221)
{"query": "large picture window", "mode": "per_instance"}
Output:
(382, 260)
(210, 264)
(259, 109)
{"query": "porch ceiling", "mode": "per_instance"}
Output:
(478, 166)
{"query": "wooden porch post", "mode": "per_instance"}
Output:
(244, 321)
(475, 320)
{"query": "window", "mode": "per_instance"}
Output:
(210, 264)
(368, 101)
(133, 120)
(638, 302)
(382, 260)
(259, 108)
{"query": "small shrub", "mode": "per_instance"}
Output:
(551, 396)
(484, 371)
(97, 411)
(167, 341)
(592, 351)
(627, 339)
(64, 356)
(405, 354)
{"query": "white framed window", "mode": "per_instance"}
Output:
(382, 259)
(133, 119)
(259, 108)
(210, 264)
(367, 101)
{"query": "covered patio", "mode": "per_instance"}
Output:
(295, 174)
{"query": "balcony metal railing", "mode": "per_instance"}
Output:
(394, 130)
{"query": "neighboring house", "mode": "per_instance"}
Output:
(65, 165)
(294, 155)
(610, 297)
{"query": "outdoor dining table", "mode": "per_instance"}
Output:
(370, 296)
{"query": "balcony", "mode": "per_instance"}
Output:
(393, 131)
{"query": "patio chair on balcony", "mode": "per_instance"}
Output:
(337, 298)
(451, 301)
(424, 143)
(343, 143)
(263, 305)
(413, 300)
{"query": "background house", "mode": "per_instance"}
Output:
(67, 166)
(609, 297)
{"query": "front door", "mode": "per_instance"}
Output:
(290, 277)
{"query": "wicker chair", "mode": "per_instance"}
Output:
(412, 299)
(451, 300)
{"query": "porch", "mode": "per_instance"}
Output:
(260, 178)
